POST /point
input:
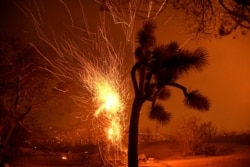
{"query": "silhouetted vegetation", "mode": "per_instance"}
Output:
(157, 68)
(202, 18)
(195, 137)
(26, 83)
(215, 17)
(234, 137)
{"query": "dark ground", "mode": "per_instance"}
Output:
(164, 154)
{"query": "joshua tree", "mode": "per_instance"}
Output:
(158, 67)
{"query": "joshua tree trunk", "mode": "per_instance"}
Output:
(133, 133)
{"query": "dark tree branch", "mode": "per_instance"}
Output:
(133, 76)
(183, 88)
(235, 16)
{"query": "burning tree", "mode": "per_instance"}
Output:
(93, 62)
(85, 57)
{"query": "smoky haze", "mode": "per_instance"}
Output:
(226, 81)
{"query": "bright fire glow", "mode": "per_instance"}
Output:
(92, 60)
(109, 97)
(64, 157)
(110, 106)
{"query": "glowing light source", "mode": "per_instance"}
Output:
(113, 106)
(64, 157)
(108, 95)
(108, 98)
(91, 60)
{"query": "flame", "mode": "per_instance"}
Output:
(94, 61)
(108, 98)
(111, 107)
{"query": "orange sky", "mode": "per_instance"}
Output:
(226, 81)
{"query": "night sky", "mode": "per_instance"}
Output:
(226, 81)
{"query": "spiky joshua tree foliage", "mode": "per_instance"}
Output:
(157, 68)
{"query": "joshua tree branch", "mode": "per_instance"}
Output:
(183, 88)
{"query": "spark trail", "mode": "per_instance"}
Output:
(92, 61)
(127, 12)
